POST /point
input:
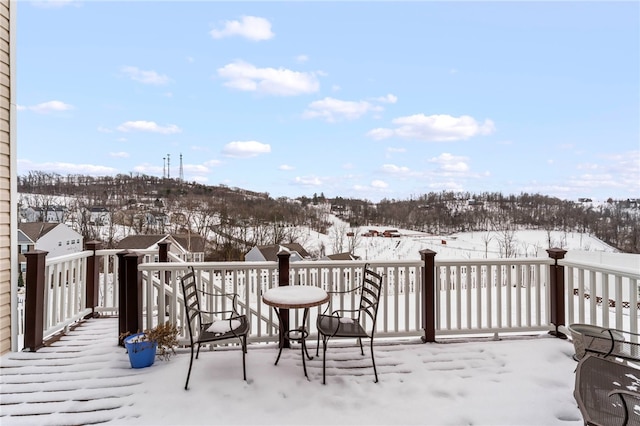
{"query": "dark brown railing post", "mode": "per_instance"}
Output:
(93, 278)
(283, 279)
(163, 256)
(429, 295)
(122, 295)
(556, 273)
(34, 301)
(134, 292)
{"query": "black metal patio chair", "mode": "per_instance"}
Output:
(223, 322)
(606, 390)
(356, 323)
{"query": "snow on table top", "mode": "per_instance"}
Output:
(295, 296)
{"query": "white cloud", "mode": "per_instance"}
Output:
(48, 107)
(379, 184)
(446, 186)
(435, 128)
(392, 149)
(199, 179)
(148, 126)
(332, 110)
(286, 167)
(389, 99)
(396, 170)
(103, 129)
(195, 169)
(120, 154)
(250, 27)
(146, 77)
(308, 180)
(379, 134)
(302, 58)
(283, 82)
(212, 163)
(619, 171)
(451, 163)
(245, 149)
(148, 169)
(66, 168)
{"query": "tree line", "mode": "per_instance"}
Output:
(234, 219)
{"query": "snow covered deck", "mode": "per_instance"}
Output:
(85, 378)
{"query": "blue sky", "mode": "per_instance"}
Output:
(368, 100)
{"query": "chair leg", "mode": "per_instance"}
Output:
(244, 353)
(197, 353)
(318, 344)
(186, 385)
(361, 349)
(373, 360)
(324, 360)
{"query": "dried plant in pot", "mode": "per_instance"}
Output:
(144, 347)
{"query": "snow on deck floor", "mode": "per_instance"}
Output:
(85, 378)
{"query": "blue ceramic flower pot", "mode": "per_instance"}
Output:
(141, 353)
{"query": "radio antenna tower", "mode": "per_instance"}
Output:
(164, 167)
(181, 171)
(168, 167)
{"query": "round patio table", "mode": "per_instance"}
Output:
(294, 297)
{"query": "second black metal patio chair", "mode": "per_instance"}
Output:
(221, 322)
(355, 323)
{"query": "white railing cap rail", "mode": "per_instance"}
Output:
(631, 273)
(179, 266)
(495, 261)
(67, 257)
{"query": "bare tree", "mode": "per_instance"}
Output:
(338, 233)
(486, 239)
(354, 238)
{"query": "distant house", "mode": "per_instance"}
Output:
(341, 256)
(99, 216)
(188, 247)
(270, 252)
(391, 233)
(57, 239)
(42, 214)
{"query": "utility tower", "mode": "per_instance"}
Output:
(168, 167)
(164, 167)
(181, 171)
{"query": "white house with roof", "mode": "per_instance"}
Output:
(57, 239)
(44, 214)
(99, 216)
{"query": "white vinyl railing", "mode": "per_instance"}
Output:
(492, 295)
(473, 296)
(65, 291)
(603, 296)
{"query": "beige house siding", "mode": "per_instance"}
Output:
(7, 174)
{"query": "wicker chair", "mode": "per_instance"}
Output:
(352, 323)
(222, 323)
